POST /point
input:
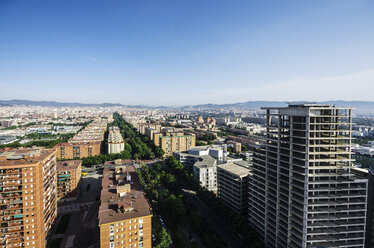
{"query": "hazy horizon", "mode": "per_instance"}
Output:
(179, 53)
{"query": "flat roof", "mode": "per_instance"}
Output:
(23, 156)
(235, 168)
(78, 143)
(205, 161)
(68, 165)
(308, 105)
(118, 162)
(111, 201)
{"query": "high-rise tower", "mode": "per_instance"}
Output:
(302, 192)
(28, 196)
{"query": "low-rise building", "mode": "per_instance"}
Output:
(202, 166)
(125, 217)
(236, 146)
(68, 178)
(205, 169)
(219, 152)
(232, 180)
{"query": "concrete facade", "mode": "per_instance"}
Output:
(232, 179)
(302, 192)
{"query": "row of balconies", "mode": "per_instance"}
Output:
(10, 171)
(11, 189)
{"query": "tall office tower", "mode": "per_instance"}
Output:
(28, 202)
(302, 192)
(115, 141)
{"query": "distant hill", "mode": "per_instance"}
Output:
(53, 103)
(361, 105)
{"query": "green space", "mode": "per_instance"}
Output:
(137, 146)
(60, 138)
(231, 219)
(363, 121)
(63, 224)
(362, 140)
(164, 190)
(207, 139)
(180, 216)
(15, 127)
(224, 131)
(44, 140)
(365, 161)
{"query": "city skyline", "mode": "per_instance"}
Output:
(185, 53)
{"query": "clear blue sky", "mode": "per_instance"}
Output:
(178, 52)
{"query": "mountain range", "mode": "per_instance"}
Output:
(361, 105)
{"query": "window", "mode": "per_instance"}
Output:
(140, 220)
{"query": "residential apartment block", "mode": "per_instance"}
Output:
(77, 150)
(115, 141)
(87, 142)
(302, 191)
(232, 180)
(68, 178)
(124, 214)
(28, 203)
(236, 146)
(204, 167)
(176, 142)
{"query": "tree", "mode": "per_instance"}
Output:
(163, 239)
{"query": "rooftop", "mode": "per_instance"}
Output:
(235, 168)
(68, 165)
(308, 105)
(205, 162)
(122, 196)
(23, 156)
(78, 143)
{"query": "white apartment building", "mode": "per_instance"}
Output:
(115, 141)
(206, 170)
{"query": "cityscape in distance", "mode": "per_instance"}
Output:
(186, 124)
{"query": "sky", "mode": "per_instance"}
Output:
(186, 52)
